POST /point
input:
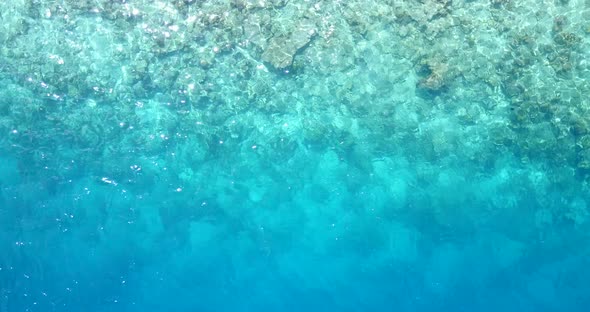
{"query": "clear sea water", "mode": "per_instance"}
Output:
(294, 155)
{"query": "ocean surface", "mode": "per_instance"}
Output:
(294, 155)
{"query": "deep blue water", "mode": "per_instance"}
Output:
(324, 235)
(150, 161)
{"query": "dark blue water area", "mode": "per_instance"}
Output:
(314, 233)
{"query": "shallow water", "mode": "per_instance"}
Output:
(294, 155)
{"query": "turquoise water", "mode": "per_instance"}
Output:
(294, 155)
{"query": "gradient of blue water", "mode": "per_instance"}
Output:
(324, 236)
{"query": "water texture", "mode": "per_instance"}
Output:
(294, 155)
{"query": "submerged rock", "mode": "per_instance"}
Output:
(282, 48)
